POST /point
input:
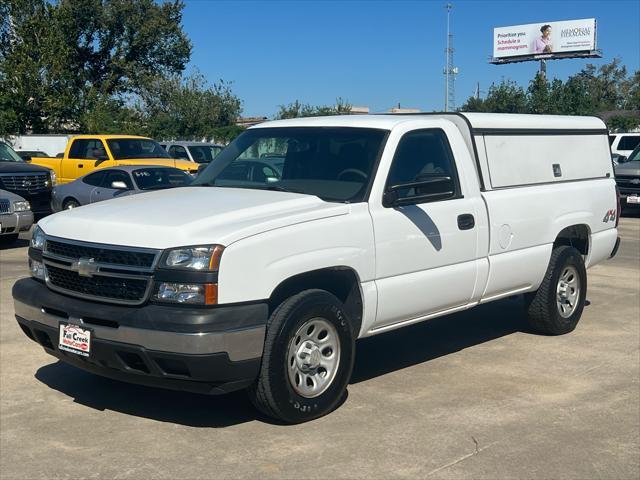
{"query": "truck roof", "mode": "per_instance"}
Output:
(480, 121)
(109, 137)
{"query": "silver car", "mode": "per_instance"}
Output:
(15, 216)
(114, 182)
(198, 152)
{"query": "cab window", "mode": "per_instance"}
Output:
(176, 151)
(90, 149)
(423, 157)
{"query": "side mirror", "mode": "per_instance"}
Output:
(426, 190)
(119, 185)
(622, 159)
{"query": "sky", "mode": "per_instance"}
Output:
(381, 53)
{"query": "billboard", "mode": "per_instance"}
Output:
(545, 39)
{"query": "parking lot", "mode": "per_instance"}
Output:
(472, 395)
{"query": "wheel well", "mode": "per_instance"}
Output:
(67, 199)
(343, 282)
(576, 236)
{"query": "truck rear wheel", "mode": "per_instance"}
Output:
(307, 360)
(555, 308)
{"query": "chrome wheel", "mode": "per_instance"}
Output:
(313, 357)
(568, 291)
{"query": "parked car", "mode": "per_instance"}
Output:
(624, 143)
(31, 182)
(115, 182)
(27, 154)
(15, 216)
(628, 180)
(86, 153)
(377, 222)
(198, 152)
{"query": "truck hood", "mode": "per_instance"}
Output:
(21, 167)
(188, 216)
(628, 169)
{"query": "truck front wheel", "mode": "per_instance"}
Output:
(555, 308)
(308, 358)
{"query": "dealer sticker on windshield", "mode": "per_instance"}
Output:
(74, 339)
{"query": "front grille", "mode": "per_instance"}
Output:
(115, 274)
(114, 288)
(5, 205)
(110, 256)
(30, 183)
(628, 183)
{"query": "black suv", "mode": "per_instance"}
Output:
(32, 182)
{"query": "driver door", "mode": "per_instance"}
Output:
(84, 156)
(426, 241)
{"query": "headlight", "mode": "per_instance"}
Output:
(37, 238)
(52, 178)
(21, 206)
(193, 258)
(37, 269)
(187, 293)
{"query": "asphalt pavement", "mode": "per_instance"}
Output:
(468, 396)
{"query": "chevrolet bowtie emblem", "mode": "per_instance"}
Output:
(86, 267)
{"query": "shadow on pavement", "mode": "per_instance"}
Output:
(375, 356)
(437, 337)
(19, 243)
(190, 409)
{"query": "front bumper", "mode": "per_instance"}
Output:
(16, 222)
(204, 350)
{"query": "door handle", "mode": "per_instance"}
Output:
(466, 221)
(80, 165)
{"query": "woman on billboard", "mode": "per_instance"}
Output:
(543, 43)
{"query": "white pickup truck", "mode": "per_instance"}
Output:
(304, 235)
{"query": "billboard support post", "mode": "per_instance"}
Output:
(543, 68)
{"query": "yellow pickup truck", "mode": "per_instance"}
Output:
(85, 153)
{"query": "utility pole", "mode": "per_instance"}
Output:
(450, 71)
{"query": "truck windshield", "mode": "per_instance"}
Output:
(333, 163)
(7, 154)
(127, 148)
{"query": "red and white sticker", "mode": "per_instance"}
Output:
(74, 339)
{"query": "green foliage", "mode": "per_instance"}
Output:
(506, 97)
(624, 123)
(591, 91)
(59, 60)
(297, 109)
(188, 108)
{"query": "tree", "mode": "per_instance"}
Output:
(60, 60)
(506, 97)
(298, 109)
(591, 91)
(188, 108)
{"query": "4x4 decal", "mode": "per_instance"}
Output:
(610, 216)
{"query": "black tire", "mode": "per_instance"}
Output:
(272, 392)
(70, 203)
(8, 239)
(543, 311)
